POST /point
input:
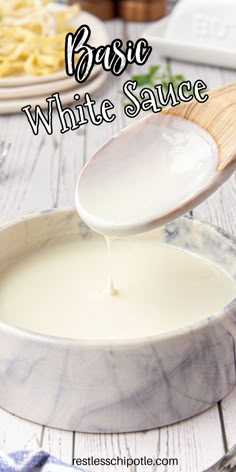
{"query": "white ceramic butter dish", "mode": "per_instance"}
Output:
(197, 31)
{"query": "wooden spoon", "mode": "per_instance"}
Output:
(134, 156)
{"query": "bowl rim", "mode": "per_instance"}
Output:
(195, 326)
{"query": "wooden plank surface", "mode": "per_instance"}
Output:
(40, 172)
(188, 441)
(17, 433)
(58, 443)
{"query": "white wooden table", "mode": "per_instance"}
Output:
(40, 173)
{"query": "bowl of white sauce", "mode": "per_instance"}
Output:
(159, 350)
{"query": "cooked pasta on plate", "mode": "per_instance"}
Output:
(32, 36)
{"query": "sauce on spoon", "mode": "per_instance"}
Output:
(142, 174)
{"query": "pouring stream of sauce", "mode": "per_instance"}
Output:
(142, 174)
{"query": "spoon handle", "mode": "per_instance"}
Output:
(217, 116)
(226, 464)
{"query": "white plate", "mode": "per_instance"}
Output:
(14, 106)
(98, 37)
(181, 50)
(44, 88)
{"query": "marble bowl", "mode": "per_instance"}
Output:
(117, 386)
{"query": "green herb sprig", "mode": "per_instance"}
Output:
(158, 75)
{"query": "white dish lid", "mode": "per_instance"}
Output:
(208, 23)
(198, 31)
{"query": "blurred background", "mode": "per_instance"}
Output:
(131, 10)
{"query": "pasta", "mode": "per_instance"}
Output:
(32, 35)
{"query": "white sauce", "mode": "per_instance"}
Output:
(58, 290)
(147, 171)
